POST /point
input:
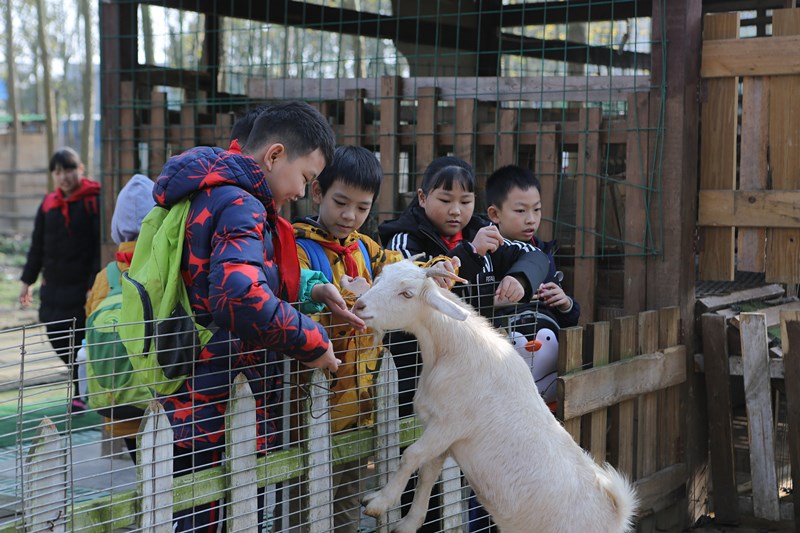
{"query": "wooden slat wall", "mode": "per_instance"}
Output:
(718, 151)
(762, 214)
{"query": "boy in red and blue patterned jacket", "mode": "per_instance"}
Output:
(241, 271)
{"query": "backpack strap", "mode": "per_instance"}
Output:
(114, 275)
(316, 256)
(319, 261)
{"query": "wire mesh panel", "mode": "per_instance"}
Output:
(562, 89)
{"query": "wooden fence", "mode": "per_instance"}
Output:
(618, 397)
(592, 141)
(750, 130)
(763, 376)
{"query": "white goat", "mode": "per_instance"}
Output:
(477, 402)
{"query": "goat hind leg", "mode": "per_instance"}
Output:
(428, 448)
(428, 474)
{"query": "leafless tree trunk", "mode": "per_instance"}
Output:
(49, 111)
(87, 129)
(147, 30)
(16, 127)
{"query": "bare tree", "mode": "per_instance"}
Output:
(87, 128)
(49, 111)
(11, 85)
(147, 31)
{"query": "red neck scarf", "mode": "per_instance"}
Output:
(285, 255)
(452, 242)
(124, 257)
(350, 265)
(88, 191)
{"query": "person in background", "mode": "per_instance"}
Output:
(65, 250)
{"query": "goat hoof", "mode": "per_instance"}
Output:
(406, 526)
(374, 504)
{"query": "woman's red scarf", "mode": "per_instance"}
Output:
(88, 191)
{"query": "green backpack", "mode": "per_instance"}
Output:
(111, 380)
(157, 327)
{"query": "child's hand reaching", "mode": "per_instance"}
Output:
(553, 296)
(509, 291)
(327, 361)
(328, 294)
(488, 239)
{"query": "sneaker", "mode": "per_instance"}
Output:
(78, 406)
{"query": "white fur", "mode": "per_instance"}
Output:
(477, 402)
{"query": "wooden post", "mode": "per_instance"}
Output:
(505, 150)
(570, 358)
(600, 335)
(454, 504)
(783, 244)
(669, 411)
(320, 492)
(465, 129)
(389, 144)
(718, 150)
(154, 470)
(720, 426)
(548, 170)
(758, 398)
(588, 185)
(240, 451)
(387, 431)
(425, 139)
(353, 131)
(623, 346)
(45, 481)
(647, 427)
(637, 170)
(790, 336)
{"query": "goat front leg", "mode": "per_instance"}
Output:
(428, 449)
(428, 474)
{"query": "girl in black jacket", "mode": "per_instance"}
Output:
(65, 250)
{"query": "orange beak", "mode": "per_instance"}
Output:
(533, 345)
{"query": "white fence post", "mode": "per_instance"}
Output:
(44, 483)
(387, 431)
(320, 492)
(240, 449)
(155, 470)
(758, 398)
(454, 505)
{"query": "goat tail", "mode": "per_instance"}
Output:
(622, 496)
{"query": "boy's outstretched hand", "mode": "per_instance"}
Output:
(328, 361)
(328, 294)
(553, 296)
(509, 291)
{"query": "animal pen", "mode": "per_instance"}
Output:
(600, 99)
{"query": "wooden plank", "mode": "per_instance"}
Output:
(483, 88)
(720, 426)
(387, 427)
(425, 131)
(772, 315)
(154, 471)
(353, 130)
(464, 129)
(637, 169)
(718, 123)
(241, 460)
(586, 194)
(790, 336)
(44, 485)
(318, 443)
(623, 347)
(776, 367)
(505, 148)
(548, 170)
(622, 380)
(714, 303)
(752, 209)
(652, 488)
(783, 245)
(187, 130)
(599, 335)
(389, 148)
(647, 428)
(126, 133)
(570, 359)
(753, 167)
(669, 401)
(758, 398)
(758, 56)
(222, 129)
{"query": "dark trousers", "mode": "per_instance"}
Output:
(61, 336)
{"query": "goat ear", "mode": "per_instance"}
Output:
(433, 296)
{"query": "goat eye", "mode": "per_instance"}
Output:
(406, 294)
